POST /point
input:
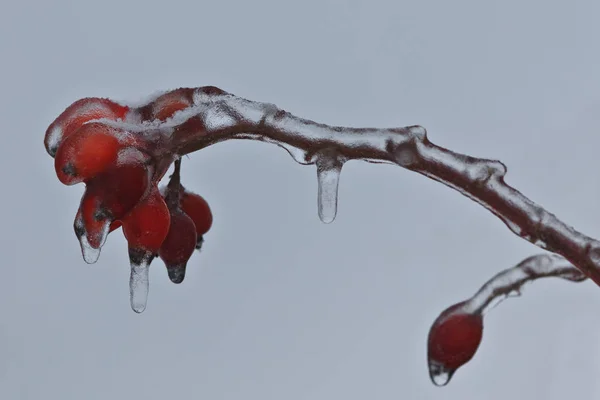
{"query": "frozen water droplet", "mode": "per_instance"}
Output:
(418, 132)
(406, 155)
(90, 254)
(328, 176)
(440, 375)
(139, 279)
(297, 154)
(512, 226)
(176, 273)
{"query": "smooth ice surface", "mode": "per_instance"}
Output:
(440, 376)
(328, 178)
(509, 283)
(90, 254)
(139, 286)
(226, 117)
(176, 273)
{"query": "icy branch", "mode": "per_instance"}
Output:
(509, 282)
(216, 116)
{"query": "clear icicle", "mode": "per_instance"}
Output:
(139, 283)
(90, 254)
(176, 272)
(328, 175)
(440, 375)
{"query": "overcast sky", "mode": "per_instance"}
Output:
(278, 305)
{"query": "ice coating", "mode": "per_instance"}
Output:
(217, 116)
(329, 168)
(80, 112)
(176, 272)
(90, 253)
(139, 284)
(507, 283)
(440, 375)
(170, 124)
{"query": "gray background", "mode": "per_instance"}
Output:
(278, 305)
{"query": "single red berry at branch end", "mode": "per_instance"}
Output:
(453, 341)
(179, 245)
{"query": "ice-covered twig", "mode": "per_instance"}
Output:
(216, 116)
(509, 282)
(455, 335)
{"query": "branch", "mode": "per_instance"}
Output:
(508, 283)
(185, 120)
(216, 116)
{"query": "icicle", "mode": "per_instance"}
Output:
(176, 272)
(329, 167)
(440, 375)
(139, 279)
(90, 253)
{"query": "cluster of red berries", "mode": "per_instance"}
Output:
(109, 147)
(91, 142)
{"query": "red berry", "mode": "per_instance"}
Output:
(110, 196)
(147, 225)
(179, 245)
(94, 223)
(89, 151)
(76, 115)
(169, 103)
(454, 338)
(199, 211)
